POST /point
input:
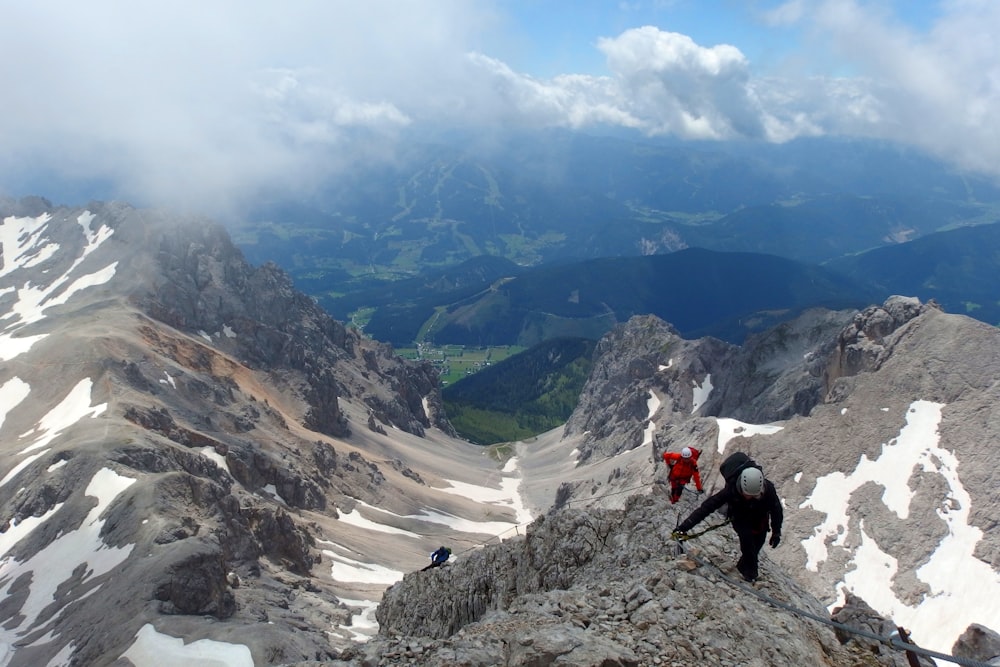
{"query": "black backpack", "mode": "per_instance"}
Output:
(734, 464)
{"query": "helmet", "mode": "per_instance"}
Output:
(686, 452)
(751, 483)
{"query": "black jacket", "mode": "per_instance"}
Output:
(747, 515)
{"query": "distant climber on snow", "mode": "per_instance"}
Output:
(439, 557)
(752, 500)
(683, 466)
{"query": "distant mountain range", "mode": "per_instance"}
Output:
(959, 268)
(701, 292)
(416, 249)
(552, 196)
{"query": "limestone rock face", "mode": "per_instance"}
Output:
(175, 420)
(979, 643)
(875, 426)
(863, 345)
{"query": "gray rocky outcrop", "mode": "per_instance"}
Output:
(604, 587)
(217, 396)
(979, 643)
(837, 391)
(863, 346)
(773, 376)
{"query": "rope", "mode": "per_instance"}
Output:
(892, 641)
(606, 495)
(683, 537)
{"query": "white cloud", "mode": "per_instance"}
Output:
(214, 100)
(935, 89)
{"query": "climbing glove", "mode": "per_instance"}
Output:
(775, 540)
(680, 535)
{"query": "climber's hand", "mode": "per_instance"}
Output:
(775, 540)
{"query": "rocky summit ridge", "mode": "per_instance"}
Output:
(613, 588)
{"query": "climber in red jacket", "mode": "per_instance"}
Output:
(683, 466)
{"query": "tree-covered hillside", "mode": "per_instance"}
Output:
(524, 395)
(959, 268)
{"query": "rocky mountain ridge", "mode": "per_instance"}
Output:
(598, 580)
(194, 452)
(612, 588)
(874, 425)
(230, 431)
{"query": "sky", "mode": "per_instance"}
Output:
(203, 104)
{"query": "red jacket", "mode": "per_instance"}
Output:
(682, 469)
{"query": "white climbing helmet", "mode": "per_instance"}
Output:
(752, 482)
(686, 452)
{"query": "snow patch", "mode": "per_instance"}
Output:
(653, 404)
(363, 623)
(82, 549)
(209, 453)
(272, 490)
(730, 428)
(12, 393)
(348, 570)
(962, 587)
(154, 649)
(701, 393)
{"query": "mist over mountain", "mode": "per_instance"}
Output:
(220, 419)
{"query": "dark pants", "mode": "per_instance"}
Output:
(751, 542)
(676, 489)
(433, 564)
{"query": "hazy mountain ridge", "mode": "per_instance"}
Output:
(956, 268)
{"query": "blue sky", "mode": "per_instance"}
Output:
(555, 37)
(560, 37)
(218, 99)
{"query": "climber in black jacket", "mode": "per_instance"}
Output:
(752, 500)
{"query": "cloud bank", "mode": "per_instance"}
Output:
(206, 103)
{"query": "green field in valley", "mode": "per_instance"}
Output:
(455, 362)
